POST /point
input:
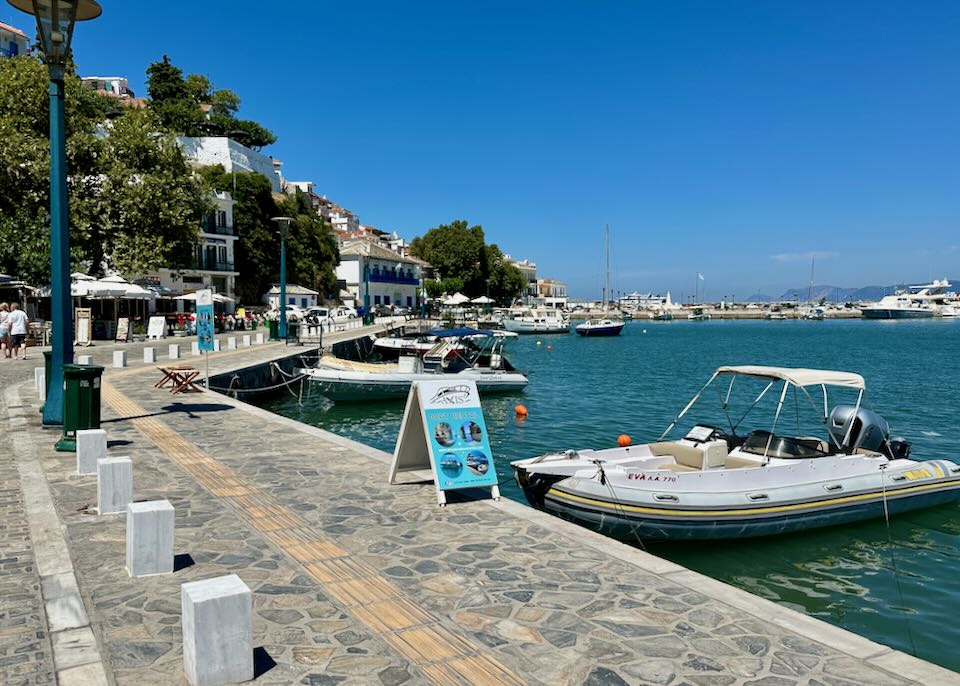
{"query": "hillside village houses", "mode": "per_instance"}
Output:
(374, 264)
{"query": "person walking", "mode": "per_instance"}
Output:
(17, 321)
(4, 330)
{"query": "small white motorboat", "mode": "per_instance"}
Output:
(600, 327)
(714, 484)
(468, 354)
(537, 320)
(698, 315)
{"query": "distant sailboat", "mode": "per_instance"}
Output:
(603, 327)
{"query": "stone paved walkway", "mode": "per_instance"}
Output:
(358, 582)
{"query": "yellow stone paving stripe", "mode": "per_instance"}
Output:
(444, 656)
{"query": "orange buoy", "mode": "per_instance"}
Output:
(623, 440)
(520, 410)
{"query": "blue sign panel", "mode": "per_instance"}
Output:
(204, 314)
(460, 448)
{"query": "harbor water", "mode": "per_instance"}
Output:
(898, 585)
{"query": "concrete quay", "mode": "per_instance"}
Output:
(355, 581)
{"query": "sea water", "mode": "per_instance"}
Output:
(898, 585)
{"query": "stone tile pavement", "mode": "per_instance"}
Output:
(358, 582)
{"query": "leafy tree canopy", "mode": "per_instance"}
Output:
(134, 205)
(466, 263)
(311, 248)
(190, 106)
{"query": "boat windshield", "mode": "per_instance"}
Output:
(787, 447)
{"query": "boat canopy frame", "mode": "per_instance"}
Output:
(798, 378)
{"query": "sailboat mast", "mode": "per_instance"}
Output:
(813, 266)
(606, 280)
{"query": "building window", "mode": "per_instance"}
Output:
(303, 302)
(376, 300)
(292, 301)
(409, 301)
(386, 300)
(221, 218)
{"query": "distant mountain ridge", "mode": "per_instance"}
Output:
(833, 293)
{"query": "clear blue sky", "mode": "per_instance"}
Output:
(729, 138)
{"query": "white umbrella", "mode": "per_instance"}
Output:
(482, 300)
(456, 299)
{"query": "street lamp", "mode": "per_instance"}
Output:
(55, 20)
(284, 223)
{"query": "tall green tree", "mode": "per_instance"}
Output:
(456, 250)
(134, 203)
(311, 247)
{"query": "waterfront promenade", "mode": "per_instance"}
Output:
(355, 581)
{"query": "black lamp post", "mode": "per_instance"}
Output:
(55, 20)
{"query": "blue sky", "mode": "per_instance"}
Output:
(732, 138)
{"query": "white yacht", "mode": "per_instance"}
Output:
(914, 302)
(720, 483)
(536, 320)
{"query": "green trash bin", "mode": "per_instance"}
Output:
(47, 362)
(274, 326)
(81, 403)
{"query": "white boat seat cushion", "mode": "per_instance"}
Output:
(685, 455)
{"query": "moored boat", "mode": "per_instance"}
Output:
(458, 354)
(714, 483)
(538, 320)
(915, 302)
(698, 315)
(600, 327)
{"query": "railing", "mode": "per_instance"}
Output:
(212, 265)
(221, 230)
(390, 277)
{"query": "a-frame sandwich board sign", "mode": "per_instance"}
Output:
(443, 430)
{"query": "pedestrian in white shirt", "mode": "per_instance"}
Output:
(17, 321)
(4, 330)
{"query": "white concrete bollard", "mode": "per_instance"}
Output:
(259, 338)
(91, 448)
(39, 379)
(217, 637)
(216, 345)
(149, 355)
(42, 388)
(195, 348)
(149, 538)
(173, 351)
(246, 340)
(114, 484)
(232, 343)
(84, 359)
(119, 359)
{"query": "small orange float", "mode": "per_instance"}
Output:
(623, 440)
(520, 410)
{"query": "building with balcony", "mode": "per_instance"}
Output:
(368, 269)
(233, 157)
(114, 86)
(213, 261)
(529, 271)
(551, 293)
(13, 41)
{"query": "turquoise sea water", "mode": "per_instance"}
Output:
(583, 393)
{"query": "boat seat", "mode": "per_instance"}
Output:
(734, 462)
(685, 455)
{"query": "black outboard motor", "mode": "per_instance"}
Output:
(869, 430)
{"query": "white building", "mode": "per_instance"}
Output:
(117, 86)
(551, 293)
(13, 41)
(368, 269)
(207, 150)
(299, 296)
(529, 271)
(213, 262)
(647, 301)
